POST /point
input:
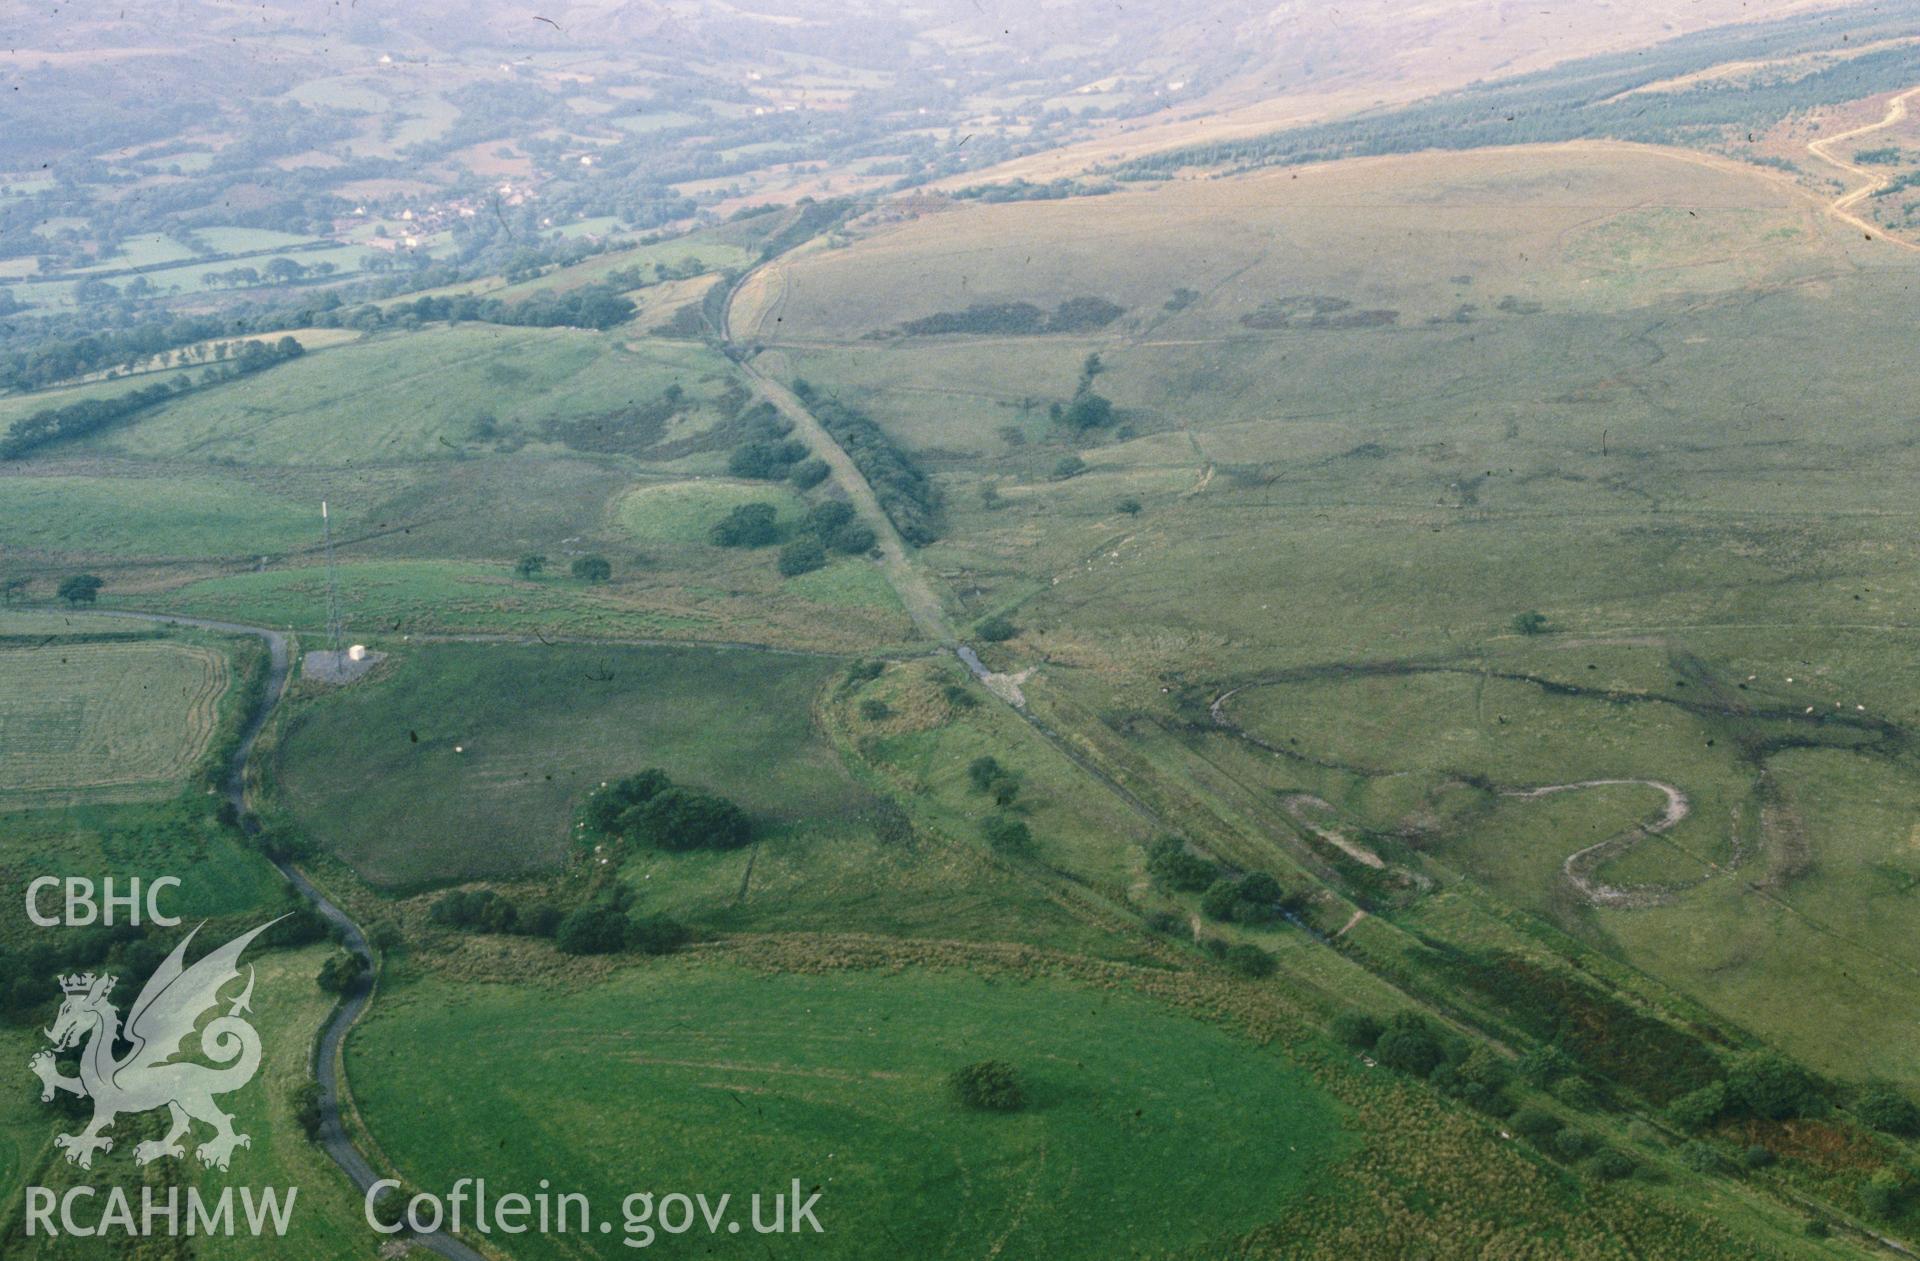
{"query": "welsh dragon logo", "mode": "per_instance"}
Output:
(162, 1018)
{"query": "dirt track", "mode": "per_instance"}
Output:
(1581, 865)
(1842, 206)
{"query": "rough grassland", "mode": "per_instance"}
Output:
(1710, 503)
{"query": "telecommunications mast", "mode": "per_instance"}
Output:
(333, 584)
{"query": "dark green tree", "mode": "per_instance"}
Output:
(1007, 834)
(78, 589)
(1409, 1044)
(996, 629)
(1532, 622)
(987, 1086)
(657, 934)
(592, 930)
(342, 972)
(802, 556)
(1770, 1085)
(748, 525)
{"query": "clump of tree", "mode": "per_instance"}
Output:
(649, 808)
(595, 306)
(608, 926)
(1881, 1106)
(1532, 622)
(1175, 868)
(767, 459)
(306, 1108)
(78, 589)
(987, 1086)
(1007, 834)
(833, 522)
(802, 556)
(530, 566)
(1086, 409)
(748, 525)
(996, 629)
(767, 451)
(1887, 1192)
(1255, 898)
(1409, 1043)
(485, 911)
(1759, 1084)
(808, 473)
(1075, 315)
(592, 569)
(986, 775)
(592, 930)
(343, 972)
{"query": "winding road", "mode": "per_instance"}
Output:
(327, 1057)
(1842, 206)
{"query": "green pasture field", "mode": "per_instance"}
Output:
(684, 512)
(372, 770)
(839, 1080)
(194, 515)
(105, 720)
(413, 397)
(738, 597)
(230, 240)
(141, 251)
(1241, 243)
(393, 596)
(220, 877)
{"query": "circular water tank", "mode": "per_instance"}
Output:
(357, 653)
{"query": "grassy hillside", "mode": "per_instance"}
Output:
(1705, 503)
(419, 396)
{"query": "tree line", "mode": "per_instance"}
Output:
(1075, 315)
(90, 416)
(906, 494)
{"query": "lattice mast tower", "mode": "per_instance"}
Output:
(333, 583)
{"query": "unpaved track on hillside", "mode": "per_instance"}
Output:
(328, 1061)
(1582, 865)
(922, 605)
(1842, 207)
